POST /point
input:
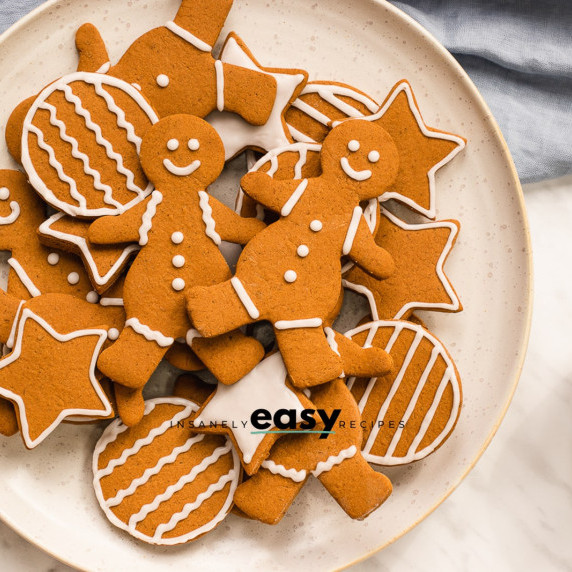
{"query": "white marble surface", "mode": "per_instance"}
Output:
(514, 511)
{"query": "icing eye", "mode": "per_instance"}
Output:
(353, 145)
(374, 157)
(194, 145)
(162, 80)
(172, 145)
(4, 194)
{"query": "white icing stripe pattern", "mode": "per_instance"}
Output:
(219, 85)
(13, 216)
(24, 278)
(101, 140)
(301, 162)
(143, 442)
(321, 467)
(352, 231)
(104, 68)
(208, 218)
(149, 334)
(111, 302)
(247, 302)
(188, 37)
(168, 493)
(294, 324)
(449, 377)
(312, 112)
(293, 200)
(331, 338)
(176, 518)
(77, 154)
(148, 473)
(147, 220)
(10, 341)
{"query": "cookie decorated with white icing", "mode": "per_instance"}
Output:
(161, 482)
(409, 413)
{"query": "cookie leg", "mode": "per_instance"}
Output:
(266, 497)
(229, 357)
(8, 419)
(362, 362)
(130, 404)
(131, 360)
(308, 357)
(357, 488)
(219, 309)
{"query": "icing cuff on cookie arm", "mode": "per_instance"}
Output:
(278, 195)
(230, 226)
(360, 245)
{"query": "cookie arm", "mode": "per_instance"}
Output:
(119, 229)
(231, 226)
(91, 49)
(249, 93)
(270, 192)
(363, 250)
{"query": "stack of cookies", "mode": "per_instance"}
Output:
(116, 265)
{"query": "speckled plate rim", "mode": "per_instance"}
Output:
(488, 118)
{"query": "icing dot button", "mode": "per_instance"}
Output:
(73, 278)
(4, 194)
(303, 251)
(316, 225)
(113, 334)
(178, 284)
(53, 258)
(353, 145)
(177, 237)
(374, 156)
(290, 276)
(172, 145)
(162, 80)
(92, 297)
(178, 261)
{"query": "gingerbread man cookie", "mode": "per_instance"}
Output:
(179, 229)
(290, 273)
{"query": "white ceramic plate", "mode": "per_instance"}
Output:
(46, 494)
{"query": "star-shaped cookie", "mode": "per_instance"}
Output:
(238, 135)
(422, 150)
(230, 408)
(51, 376)
(419, 281)
(104, 263)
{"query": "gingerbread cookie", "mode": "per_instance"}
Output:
(179, 229)
(322, 103)
(335, 459)
(411, 412)
(422, 285)
(104, 263)
(290, 273)
(34, 268)
(236, 134)
(54, 353)
(160, 481)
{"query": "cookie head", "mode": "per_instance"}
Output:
(362, 155)
(181, 149)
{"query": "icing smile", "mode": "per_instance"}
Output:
(352, 173)
(181, 171)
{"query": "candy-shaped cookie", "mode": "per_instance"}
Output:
(419, 280)
(50, 373)
(290, 273)
(161, 482)
(236, 134)
(335, 459)
(34, 269)
(322, 103)
(179, 229)
(412, 411)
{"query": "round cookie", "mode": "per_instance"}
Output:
(412, 411)
(80, 144)
(310, 117)
(160, 481)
